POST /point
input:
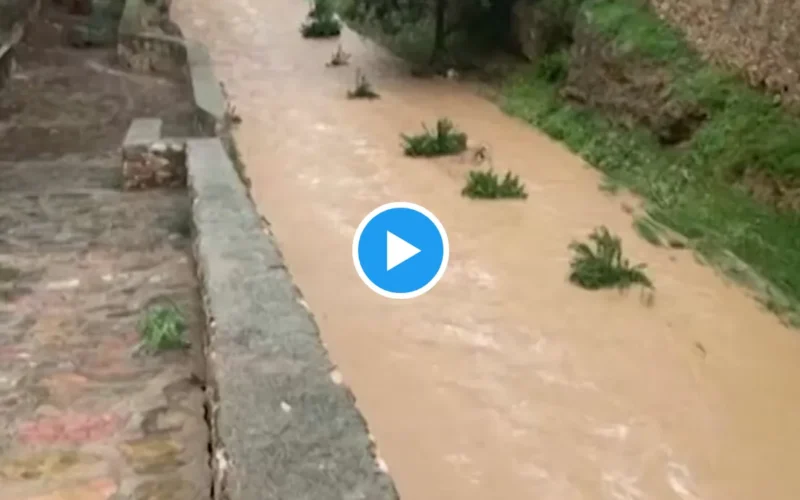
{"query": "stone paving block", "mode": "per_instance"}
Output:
(143, 131)
(85, 413)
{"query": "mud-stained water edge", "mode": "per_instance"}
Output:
(504, 382)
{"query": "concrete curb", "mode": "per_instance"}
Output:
(209, 101)
(283, 425)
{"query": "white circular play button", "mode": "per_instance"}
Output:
(400, 250)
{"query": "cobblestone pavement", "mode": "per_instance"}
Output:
(81, 416)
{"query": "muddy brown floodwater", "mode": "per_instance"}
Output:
(504, 382)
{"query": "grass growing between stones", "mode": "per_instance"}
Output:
(604, 265)
(487, 185)
(443, 141)
(163, 327)
(693, 189)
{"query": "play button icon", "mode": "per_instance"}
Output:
(400, 250)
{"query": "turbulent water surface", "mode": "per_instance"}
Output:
(504, 382)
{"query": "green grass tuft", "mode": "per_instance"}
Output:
(162, 327)
(604, 266)
(487, 185)
(321, 28)
(443, 141)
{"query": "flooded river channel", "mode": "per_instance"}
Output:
(504, 382)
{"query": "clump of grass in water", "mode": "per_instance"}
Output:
(446, 140)
(363, 88)
(322, 21)
(162, 327)
(487, 185)
(321, 28)
(339, 58)
(604, 266)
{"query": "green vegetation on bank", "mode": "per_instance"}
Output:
(706, 188)
(693, 189)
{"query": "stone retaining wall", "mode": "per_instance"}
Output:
(284, 425)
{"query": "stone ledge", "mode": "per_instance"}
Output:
(210, 103)
(283, 425)
(148, 161)
(142, 131)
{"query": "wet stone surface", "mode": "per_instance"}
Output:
(83, 414)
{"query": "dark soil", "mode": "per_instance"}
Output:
(629, 88)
